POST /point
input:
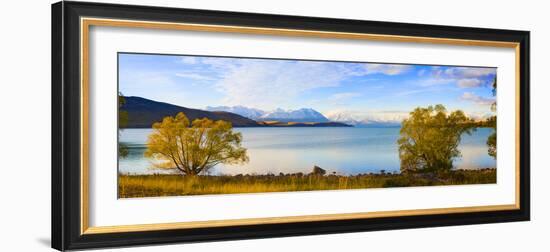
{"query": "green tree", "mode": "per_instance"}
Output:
(194, 148)
(492, 122)
(492, 139)
(429, 139)
(122, 122)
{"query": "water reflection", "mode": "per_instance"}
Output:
(291, 150)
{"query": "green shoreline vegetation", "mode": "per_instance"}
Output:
(132, 186)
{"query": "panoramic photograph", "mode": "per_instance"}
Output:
(198, 125)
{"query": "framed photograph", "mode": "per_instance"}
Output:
(180, 125)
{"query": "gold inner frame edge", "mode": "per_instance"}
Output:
(85, 24)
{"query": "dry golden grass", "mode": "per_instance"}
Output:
(131, 186)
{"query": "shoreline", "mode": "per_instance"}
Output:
(155, 185)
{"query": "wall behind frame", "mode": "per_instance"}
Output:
(25, 113)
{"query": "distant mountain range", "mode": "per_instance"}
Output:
(365, 121)
(239, 110)
(142, 113)
(281, 115)
(300, 115)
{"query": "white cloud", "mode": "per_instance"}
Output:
(465, 77)
(143, 80)
(339, 97)
(158, 86)
(269, 84)
(195, 76)
(469, 72)
(421, 72)
(468, 96)
(434, 82)
(411, 92)
(223, 64)
(387, 69)
(470, 82)
(189, 60)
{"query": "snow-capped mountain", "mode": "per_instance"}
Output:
(345, 118)
(299, 115)
(367, 119)
(250, 113)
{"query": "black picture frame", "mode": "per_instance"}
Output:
(66, 114)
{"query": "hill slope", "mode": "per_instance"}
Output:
(142, 113)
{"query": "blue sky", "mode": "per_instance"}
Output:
(359, 89)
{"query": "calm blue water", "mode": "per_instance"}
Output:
(335, 149)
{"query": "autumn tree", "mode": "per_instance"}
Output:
(122, 122)
(492, 122)
(194, 148)
(429, 139)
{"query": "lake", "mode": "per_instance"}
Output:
(343, 150)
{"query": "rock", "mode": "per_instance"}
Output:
(318, 171)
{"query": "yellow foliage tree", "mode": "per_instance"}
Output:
(492, 122)
(429, 139)
(194, 148)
